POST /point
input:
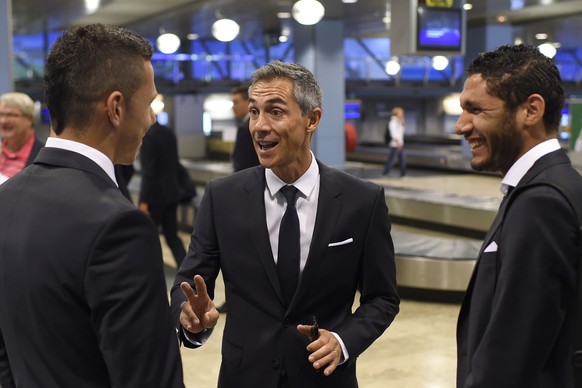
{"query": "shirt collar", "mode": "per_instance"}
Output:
(523, 164)
(95, 155)
(304, 184)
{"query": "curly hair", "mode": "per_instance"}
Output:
(513, 73)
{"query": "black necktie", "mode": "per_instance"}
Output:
(289, 250)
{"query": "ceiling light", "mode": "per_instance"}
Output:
(349, 1)
(168, 43)
(541, 36)
(392, 67)
(467, 6)
(308, 12)
(225, 30)
(547, 49)
(439, 62)
(283, 15)
(501, 19)
(192, 36)
(92, 6)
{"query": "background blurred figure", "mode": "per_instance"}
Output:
(396, 129)
(83, 300)
(123, 174)
(19, 144)
(244, 154)
(160, 191)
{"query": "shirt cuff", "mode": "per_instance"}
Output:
(197, 339)
(345, 354)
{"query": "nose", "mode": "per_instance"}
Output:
(464, 124)
(258, 123)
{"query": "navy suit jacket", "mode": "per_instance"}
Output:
(83, 300)
(514, 326)
(260, 339)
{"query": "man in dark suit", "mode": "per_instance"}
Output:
(83, 300)
(159, 195)
(515, 327)
(243, 154)
(341, 245)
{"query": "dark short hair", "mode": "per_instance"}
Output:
(88, 63)
(306, 90)
(513, 73)
(242, 89)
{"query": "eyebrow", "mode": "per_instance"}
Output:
(274, 100)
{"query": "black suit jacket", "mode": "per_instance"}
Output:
(244, 154)
(160, 185)
(36, 146)
(260, 339)
(83, 299)
(513, 326)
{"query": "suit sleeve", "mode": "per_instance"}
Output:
(535, 284)
(6, 379)
(126, 292)
(379, 301)
(203, 258)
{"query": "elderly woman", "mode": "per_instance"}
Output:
(19, 144)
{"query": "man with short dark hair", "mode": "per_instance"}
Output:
(83, 300)
(516, 325)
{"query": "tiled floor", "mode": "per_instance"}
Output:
(417, 351)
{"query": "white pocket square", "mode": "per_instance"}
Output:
(491, 247)
(335, 244)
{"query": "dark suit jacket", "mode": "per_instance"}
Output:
(83, 299)
(160, 185)
(260, 337)
(512, 329)
(244, 154)
(36, 146)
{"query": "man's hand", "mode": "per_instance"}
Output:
(325, 351)
(198, 312)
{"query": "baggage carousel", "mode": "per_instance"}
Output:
(439, 220)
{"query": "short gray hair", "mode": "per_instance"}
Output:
(306, 90)
(20, 101)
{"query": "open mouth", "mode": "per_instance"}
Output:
(267, 145)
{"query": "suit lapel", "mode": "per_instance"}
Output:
(328, 211)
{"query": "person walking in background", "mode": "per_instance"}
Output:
(295, 241)
(516, 324)
(243, 154)
(83, 300)
(396, 144)
(160, 193)
(19, 143)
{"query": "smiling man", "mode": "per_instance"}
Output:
(288, 260)
(516, 325)
(19, 144)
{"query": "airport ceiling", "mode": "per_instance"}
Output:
(560, 19)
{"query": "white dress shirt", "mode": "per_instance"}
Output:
(524, 163)
(97, 156)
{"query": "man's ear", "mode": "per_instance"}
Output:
(115, 108)
(535, 107)
(313, 119)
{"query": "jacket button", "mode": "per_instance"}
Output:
(275, 363)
